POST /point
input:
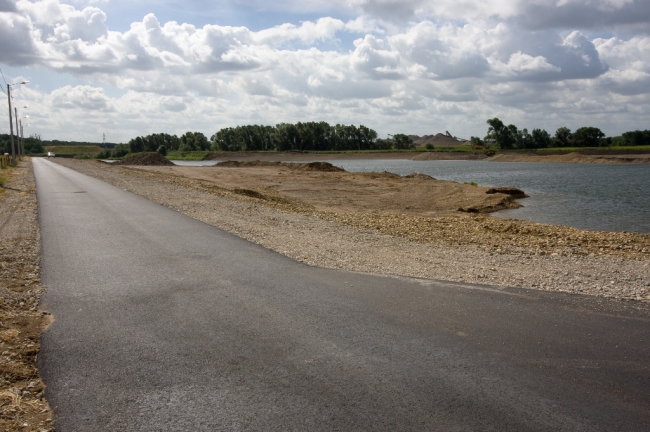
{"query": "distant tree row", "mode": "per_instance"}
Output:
(510, 137)
(33, 144)
(189, 141)
(77, 143)
(309, 136)
(633, 138)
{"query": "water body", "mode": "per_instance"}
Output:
(195, 163)
(587, 196)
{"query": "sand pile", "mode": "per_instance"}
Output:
(314, 166)
(311, 166)
(145, 159)
(438, 139)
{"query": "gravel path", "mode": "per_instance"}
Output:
(321, 240)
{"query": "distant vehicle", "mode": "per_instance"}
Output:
(50, 154)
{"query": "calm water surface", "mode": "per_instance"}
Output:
(195, 163)
(587, 196)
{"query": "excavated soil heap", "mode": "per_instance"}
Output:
(312, 166)
(145, 159)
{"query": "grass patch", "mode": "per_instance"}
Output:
(188, 156)
(5, 176)
(74, 150)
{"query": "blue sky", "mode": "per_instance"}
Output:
(411, 66)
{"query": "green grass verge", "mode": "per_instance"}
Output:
(73, 150)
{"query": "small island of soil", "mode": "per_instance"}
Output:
(322, 186)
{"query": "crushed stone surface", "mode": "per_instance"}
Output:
(477, 249)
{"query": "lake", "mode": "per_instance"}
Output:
(588, 196)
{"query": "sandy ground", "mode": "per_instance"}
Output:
(383, 193)
(572, 158)
(457, 247)
(22, 406)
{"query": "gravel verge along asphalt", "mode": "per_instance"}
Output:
(477, 249)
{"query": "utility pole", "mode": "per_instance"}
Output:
(22, 138)
(17, 134)
(11, 128)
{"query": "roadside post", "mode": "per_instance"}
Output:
(17, 134)
(11, 127)
(11, 123)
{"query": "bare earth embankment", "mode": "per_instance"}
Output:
(310, 216)
(22, 406)
(573, 157)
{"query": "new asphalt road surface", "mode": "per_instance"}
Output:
(163, 323)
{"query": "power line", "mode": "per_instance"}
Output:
(3, 77)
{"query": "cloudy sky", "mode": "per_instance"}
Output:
(135, 67)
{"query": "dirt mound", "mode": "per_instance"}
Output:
(513, 192)
(311, 166)
(314, 166)
(419, 176)
(145, 159)
(437, 140)
(382, 175)
(246, 164)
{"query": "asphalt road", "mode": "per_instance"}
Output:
(165, 323)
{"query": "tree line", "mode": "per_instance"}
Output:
(308, 136)
(33, 144)
(510, 137)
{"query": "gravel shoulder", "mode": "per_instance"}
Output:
(462, 248)
(22, 406)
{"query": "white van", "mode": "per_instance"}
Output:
(50, 154)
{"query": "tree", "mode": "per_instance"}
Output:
(402, 141)
(636, 138)
(588, 137)
(521, 138)
(540, 138)
(120, 150)
(192, 141)
(504, 136)
(563, 137)
(162, 150)
(136, 145)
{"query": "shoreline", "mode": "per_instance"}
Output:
(598, 157)
(461, 248)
